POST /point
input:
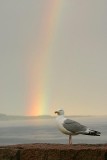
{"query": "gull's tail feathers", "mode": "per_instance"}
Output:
(94, 133)
(91, 132)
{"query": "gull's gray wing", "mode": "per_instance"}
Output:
(74, 126)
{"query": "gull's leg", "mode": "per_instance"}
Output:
(70, 139)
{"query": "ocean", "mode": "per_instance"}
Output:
(45, 131)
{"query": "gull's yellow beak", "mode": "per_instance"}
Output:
(56, 112)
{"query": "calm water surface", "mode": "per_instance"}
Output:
(45, 131)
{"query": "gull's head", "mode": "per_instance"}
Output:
(60, 112)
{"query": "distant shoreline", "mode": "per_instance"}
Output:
(18, 117)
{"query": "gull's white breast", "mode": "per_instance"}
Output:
(59, 121)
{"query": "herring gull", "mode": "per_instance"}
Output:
(70, 127)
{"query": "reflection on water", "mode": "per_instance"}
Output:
(45, 131)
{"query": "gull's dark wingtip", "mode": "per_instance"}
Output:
(94, 133)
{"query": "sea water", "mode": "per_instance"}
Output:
(45, 131)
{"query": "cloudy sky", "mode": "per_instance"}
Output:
(75, 71)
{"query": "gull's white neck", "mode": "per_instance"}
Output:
(60, 117)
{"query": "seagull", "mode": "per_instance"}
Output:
(70, 127)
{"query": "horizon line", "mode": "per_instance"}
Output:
(52, 115)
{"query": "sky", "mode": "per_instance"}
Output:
(53, 54)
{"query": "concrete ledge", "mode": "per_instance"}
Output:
(54, 152)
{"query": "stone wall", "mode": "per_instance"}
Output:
(53, 152)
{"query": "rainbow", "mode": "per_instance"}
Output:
(38, 84)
